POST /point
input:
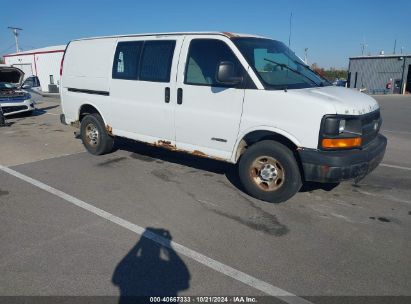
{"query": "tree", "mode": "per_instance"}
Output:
(330, 74)
(317, 69)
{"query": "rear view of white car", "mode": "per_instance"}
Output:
(242, 99)
(13, 100)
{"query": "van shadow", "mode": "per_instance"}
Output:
(149, 153)
(312, 186)
(151, 269)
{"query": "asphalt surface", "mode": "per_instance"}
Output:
(347, 240)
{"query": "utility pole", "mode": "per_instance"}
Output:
(395, 45)
(363, 47)
(15, 31)
(289, 37)
(306, 56)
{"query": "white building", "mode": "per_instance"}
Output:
(43, 63)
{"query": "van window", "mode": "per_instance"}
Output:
(156, 60)
(125, 64)
(204, 55)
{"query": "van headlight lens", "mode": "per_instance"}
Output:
(340, 132)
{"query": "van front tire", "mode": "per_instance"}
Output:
(94, 135)
(269, 171)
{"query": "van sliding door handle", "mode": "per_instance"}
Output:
(167, 95)
(179, 96)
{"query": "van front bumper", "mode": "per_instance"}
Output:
(336, 166)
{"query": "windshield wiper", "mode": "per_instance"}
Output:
(291, 69)
(323, 80)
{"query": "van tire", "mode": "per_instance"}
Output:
(94, 135)
(269, 171)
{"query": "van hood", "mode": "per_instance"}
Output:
(11, 74)
(345, 101)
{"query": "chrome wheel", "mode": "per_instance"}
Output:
(267, 173)
(92, 135)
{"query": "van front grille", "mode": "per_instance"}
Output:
(371, 124)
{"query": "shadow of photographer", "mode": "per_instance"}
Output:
(151, 268)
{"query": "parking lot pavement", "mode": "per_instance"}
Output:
(343, 240)
(397, 127)
(36, 137)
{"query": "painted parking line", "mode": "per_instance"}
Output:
(395, 131)
(198, 257)
(396, 167)
(388, 197)
(47, 158)
(48, 113)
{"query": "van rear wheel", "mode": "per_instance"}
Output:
(94, 135)
(269, 171)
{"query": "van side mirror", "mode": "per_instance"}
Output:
(226, 74)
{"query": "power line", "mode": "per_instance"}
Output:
(6, 50)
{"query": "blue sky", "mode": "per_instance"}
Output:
(331, 30)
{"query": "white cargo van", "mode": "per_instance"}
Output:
(237, 98)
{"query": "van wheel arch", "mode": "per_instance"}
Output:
(256, 136)
(87, 109)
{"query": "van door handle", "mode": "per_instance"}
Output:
(179, 96)
(167, 95)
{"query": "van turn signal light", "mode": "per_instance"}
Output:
(334, 143)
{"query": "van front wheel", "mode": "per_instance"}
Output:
(94, 135)
(269, 171)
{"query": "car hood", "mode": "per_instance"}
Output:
(345, 101)
(11, 75)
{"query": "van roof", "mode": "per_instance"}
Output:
(226, 34)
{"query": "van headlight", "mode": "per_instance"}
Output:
(341, 126)
(340, 132)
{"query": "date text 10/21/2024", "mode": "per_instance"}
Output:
(204, 299)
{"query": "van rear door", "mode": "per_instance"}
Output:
(143, 87)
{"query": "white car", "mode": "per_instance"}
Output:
(13, 99)
(242, 99)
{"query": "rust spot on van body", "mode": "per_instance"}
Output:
(167, 145)
(75, 124)
(228, 34)
(109, 129)
(199, 153)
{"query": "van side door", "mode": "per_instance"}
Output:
(143, 88)
(208, 114)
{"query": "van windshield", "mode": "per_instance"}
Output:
(277, 66)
